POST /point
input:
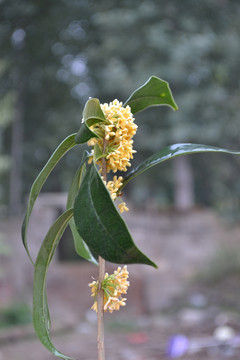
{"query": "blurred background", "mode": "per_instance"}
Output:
(54, 56)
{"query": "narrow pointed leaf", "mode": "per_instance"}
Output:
(80, 246)
(98, 221)
(170, 152)
(92, 114)
(62, 149)
(154, 92)
(41, 319)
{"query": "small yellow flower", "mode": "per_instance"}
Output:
(114, 185)
(113, 286)
(90, 159)
(123, 207)
(92, 141)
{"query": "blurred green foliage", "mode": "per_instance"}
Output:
(6, 115)
(16, 314)
(54, 55)
(4, 249)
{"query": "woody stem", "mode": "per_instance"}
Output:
(100, 296)
(100, 310)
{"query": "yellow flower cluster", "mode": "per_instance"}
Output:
(115, 136)
(113, 286)
(115, 142)
(114, 185)
(118, 134)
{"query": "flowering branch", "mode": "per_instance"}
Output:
(97, 227)
(114, 147)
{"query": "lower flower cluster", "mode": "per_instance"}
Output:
(113, 286)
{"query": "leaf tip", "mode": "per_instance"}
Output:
(153, 264)
(175, 107)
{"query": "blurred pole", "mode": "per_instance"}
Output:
(15, 186)
(184, 184)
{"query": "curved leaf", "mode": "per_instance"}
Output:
(41, 318)
(61, 150)
(99, 223)
(154, 92)
(80, 247)
(170, 152)
(92, 114)
(73, 190)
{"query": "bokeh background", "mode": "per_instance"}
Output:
(184, 213)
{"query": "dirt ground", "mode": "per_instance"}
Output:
(195, 294)
(148, 341)
(200, 313)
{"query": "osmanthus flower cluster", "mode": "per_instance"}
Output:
(98, 230)
(113, 186)
(115, 142)
(114, 286)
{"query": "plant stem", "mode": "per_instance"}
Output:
(100, 310)
(100, 296)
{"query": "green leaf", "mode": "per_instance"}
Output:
(62, 149)
(41, 319)
(170, 152)
(154, 92)
(97, 154)
(92, 114)
(80, 246)
(73, 190)
(99, 223)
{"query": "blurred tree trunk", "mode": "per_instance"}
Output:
(184, 185)
(15, 186)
